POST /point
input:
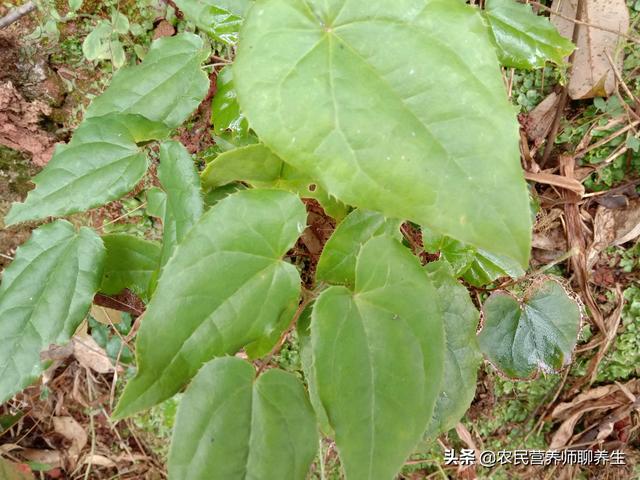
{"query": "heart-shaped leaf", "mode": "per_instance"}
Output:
(166, 87)
(420, 129)
(224, 288)
(260, 428)
(378, 356)
(45, 294)
(537, 333)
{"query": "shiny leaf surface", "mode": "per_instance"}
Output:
(538, 333)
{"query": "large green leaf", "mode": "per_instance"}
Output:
(259, 167)
(524, 39)
(166, 87)
(184, 206)
(45, 294)
(225, 287)
(260, 428)
(378, 355)
(131, 263)
(100, 164)
(539, 332)
(462, 357)
(337, 264)
(420, 129)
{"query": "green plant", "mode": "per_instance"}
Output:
(420, 130)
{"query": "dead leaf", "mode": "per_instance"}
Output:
(91, 355)
(106, 316)
(592, 75)
(557, 180)
(72, 431)
(51, 458)
(163, 29)
(627, 222)
(603, 235)
(99, 461)
(538, 122)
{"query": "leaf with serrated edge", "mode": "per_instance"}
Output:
(45, 294)
(524, 39)
(166, 87)
(462, 357)
(378, 355)
(130, 263)
(421, 129)
(337, 264)
(225, 287)
(100, 164)
(258, 166)
(184, 205)
(260, 428)
(538, 333)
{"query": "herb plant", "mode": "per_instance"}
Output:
(384, 112)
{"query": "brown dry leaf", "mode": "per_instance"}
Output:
(51, 458)
(20, 125)
(72, 431)
(90, 355)
(99, 461)
(603, 235)
(14, 471)
(556, 180)
(106, 316)
(592, 74)
(538, 122)
(163, 29)
(627, 222)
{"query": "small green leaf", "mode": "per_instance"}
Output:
(525, 39)
(224, 288)
(120, 22)
(100, 164)
(259, 167)
(260, 428)
(337, 264)
(458, 255)
(130, 263)
(537, 333)
(225, 111)
(156, 202)
(118, 57)
(378, 356)
(166, 87)
(421, 129)
(487, 267)
(96, 45)
(45, 294)
(218, 22)
(75, 5)
(179, 178)
(462, 357)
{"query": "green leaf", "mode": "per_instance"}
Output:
(120, 22)
(524, 39)
(130, 263)
(156, 202)
(487, 267)
(45, 294)
(179, 178)
(118, 57)
(225, 110)
(337, 264)
(197, 10)
(537, 333)
(100, 164)
(421, 129)
(166, 87)
(218, 22)
(259, 167)
(462, 356)
(225, 287)
(260, 428)
(96, 45)
(75, 5)
(14, 471)
(378, 355)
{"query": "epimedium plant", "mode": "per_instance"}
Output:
(383, 112)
